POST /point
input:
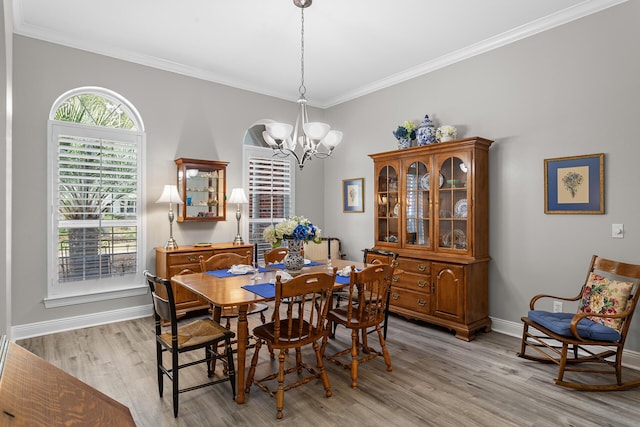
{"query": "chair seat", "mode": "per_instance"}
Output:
(267, 332)
(339, 315)
(560, 324)
(196, 333)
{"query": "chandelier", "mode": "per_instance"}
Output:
(309, 137)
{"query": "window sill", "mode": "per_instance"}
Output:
(54, 301)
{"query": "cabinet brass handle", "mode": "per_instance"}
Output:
(396, 278)
(422, 267)
(192, 258)
(395, 296)
(422, 302)
(422, 283)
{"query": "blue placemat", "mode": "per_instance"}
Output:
(265, 290)
(343, 280)
(225, 273)
(280, 266)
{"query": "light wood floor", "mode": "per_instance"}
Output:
(437, 380)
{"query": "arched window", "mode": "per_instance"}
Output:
(270, 183)
(96, 148)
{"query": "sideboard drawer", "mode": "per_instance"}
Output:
(419, 266)
(415, 282)
(411, 300)
(187, 257)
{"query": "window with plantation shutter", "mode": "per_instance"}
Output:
(271, 192)
(96, 240)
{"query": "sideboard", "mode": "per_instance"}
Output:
(170, 262)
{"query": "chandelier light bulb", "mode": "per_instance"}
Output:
(279, 131)
(332, 139)
(316, 130)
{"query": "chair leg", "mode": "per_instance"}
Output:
(385, 352)
(280, 391)
(174, 373)
(323, 371)
(354, 357)
(252, 368)
(563, 361)
(160, 373)
(231, 371)
(523, 345)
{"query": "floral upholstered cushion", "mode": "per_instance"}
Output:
(605, 296)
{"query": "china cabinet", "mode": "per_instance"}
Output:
(432, 208)
(202, 187)
(170, 262)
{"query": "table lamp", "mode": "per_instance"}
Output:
(238, 197)
(170, 195)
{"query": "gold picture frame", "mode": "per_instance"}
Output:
(574, 185)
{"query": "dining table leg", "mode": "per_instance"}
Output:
(243, 334)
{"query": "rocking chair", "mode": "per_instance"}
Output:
(596, 333)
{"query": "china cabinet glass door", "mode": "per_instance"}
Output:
(388, 203)
(453, 212)
(417, 205)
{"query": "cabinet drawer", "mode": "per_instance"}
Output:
(239, 251)
(187, 257)
(411, 300)
(177, 269)
(419, 266)
(415, 282)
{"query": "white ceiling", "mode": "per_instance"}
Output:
(351, 47)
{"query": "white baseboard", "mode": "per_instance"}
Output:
(78, 322)
(630, 359)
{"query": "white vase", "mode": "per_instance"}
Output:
(446, 138)
(294, 261)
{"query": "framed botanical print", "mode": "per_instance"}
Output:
(574, 185)
(353, 195)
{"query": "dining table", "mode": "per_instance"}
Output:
(228, 290)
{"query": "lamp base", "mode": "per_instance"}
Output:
(171, 244)
(238, 240)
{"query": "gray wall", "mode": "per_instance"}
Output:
(568, 91)
(184, 117)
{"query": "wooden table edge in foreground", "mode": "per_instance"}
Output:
(221, 292)
(34, 392)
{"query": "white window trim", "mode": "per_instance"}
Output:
(83, 292)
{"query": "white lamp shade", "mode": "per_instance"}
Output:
(316, 130)
(238, 196)
(272, 142)
(332, 139)
(170, 195)
(279, 131)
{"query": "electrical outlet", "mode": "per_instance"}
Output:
(557, 306)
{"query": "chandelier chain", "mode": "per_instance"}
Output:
(302, 89)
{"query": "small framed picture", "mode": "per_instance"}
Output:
(353, 195)
(574, 185)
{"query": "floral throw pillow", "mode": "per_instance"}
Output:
(605, 296)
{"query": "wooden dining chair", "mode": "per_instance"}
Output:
(224, 261)
(177, 339)
(301, 307)
(275, 255)
(368, 295)
(595, 334)
(372, 256)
